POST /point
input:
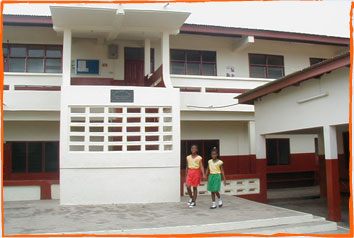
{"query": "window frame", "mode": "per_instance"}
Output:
(9, 175)
(200, 61)
(266, 65)
(278, 151)
(27, 57)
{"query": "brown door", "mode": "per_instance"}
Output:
(134, 72)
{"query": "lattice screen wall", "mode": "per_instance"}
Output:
(120, 129)
(233, 187)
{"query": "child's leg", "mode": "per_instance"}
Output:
(195, 193)
(213, 196)
(189, 192)
(217, 194)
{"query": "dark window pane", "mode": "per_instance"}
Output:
(184, 154)
(53, 66)
(275, 60)
(177, 55)
(284, 152)
(35, 157)
(315, 60)
(257, 72)
(257, 59)
(275, 72)
(18, 157)
(17, 65)
(193, 68)
(51, 156)
(35, 65)
(177, 68)
(208, 147)
(209, 56)
(134, 53)
(209, 69)
(54, 52)
(36, 51)
(5, 51)
(18, 51)
(271, 152)
(193, 55)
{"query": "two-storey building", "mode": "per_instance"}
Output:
(102, 104)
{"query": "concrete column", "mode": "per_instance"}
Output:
(66, 78)
(332, 173)
(147, 63)
(322, 166)
(165, 54)
(252, 137)
(261, 166)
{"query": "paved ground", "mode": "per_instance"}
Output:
(46, 216)
(306, 199)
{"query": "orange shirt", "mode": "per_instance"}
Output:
(194, 163)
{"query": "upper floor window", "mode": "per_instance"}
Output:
(32, 58)
(193, 62)
(316, 60)
(266, 66)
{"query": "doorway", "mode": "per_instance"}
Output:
(134, 65)
(204, 150)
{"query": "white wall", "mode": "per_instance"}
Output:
(31, 131)
(296, 55)
(21, 193)
(31, 35)
(91, 49)
(279, 112)
(233, 136)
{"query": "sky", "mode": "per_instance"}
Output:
(313, 17)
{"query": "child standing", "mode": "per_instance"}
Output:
(216, 170)
(194, 169)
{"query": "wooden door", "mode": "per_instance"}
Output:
(134, 73)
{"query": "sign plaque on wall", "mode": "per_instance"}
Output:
(122, 95)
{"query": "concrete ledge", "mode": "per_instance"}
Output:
(22, 193)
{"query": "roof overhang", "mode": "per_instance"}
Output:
(110, 22)
(313, 71)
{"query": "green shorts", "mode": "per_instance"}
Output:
(214, 182)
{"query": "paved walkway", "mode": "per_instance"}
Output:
(47, 216)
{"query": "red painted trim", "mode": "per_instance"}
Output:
(190, 90)
(149, 81)
(264, 34)
(225, 90)
(97, 82)
(238, 164)
(6, 87)
(301, 162)
(38, 88)
(261, 166)
(295, 78)
(45, 185)
(322, 176)
(333, 191)
(27, 20)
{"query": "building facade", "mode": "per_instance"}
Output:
(101, 105)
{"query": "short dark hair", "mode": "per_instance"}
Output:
(194, 145)
(214, 150)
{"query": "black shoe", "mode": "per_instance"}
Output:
(192, 205)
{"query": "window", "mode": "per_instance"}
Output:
(131, 53)
(266, 66)
(316, 60)
(278, 152)
(193, 62)
(204, 149)
(35, 157)
(32, 58)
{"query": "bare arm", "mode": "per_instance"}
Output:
(223, 174)
(186, 167)
(202, 168)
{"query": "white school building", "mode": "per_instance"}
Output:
(102, 104)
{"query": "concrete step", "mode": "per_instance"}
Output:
(213, 227)
(316, 225)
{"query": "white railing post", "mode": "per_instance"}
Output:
(66, 58)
